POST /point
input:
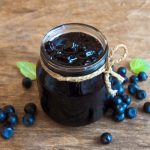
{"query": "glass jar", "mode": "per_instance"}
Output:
(69, 102)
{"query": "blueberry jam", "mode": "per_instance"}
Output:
(72, 54)
(74, 49)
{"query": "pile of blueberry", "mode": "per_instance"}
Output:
(120, 104)
(9, 119)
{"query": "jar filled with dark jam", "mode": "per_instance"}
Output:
(72, 50)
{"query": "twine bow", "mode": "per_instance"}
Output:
(110, 63)
(106, 68)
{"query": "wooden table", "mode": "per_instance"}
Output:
(22, 26)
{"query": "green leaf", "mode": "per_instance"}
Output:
(138, 64)
(27, 69)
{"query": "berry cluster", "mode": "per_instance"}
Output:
(120, 103)
(9, 119)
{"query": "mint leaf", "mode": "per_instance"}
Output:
(27, 69)
(138, 64)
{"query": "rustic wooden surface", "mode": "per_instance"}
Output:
(22, 26)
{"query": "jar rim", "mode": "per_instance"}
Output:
(75, 69)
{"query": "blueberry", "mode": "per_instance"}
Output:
(120, 91)
(28, 120)
(30, 108)
(142, 76)
(119, 109)
(106, 138)
(134, 79)
(122, 71)
(127, 99)
(7, 132)
(27, 82)
(119, 117)
(124, 105)
(132, 88)
(146, 107)
(131, 112)
(2, 115)
(117, 100)
(12, 119)
(141, 94)
(9, 109)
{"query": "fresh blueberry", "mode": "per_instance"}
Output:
(127, 99)
(131, 112)
(134, 79)
(146, 107)
(122, 71)
(141, 94)
(9, 109)
(119, 109)
(119, 87)
(2, 115)
(119, 117)
(30, 108)
(120, 91)
(7, 132)
(124, 105)
(106, 138)
(12, 119)
(132, 88)
(28, 120)
(27, 82)
(117, 100)
(142, 76)
(125, 80)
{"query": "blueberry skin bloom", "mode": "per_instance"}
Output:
(134, 79)
(28, 120)
(30, 108)
(12, 119)
(106, 138)
(146, 107)
(141, 94)
(131, 112)
(142, 76)
(9, 109)
(2, 115)
(7, 132)
(119, 117)
(122, 71)
(132, 88)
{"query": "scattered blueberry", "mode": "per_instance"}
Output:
(120, 90)
(122, 71)
(12, 119)
(2, 115)
(119, 109)
(118, 86)
(106, 138)
(119, 117)
(124, 105)
(117, 100)
(126, 99)
(28, 120)
(9, 109)
(7, 132)
(134, 79)
(131, 112)
(27, 82)
(30, 108)
(132, 88)
(142, 76)
(146, 107)
(141, 94)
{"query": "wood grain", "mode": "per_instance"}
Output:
(22, 26)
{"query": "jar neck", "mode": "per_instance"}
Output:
(74, 70)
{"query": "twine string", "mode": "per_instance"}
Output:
(106, 69)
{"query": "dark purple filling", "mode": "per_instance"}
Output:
(74, 49)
